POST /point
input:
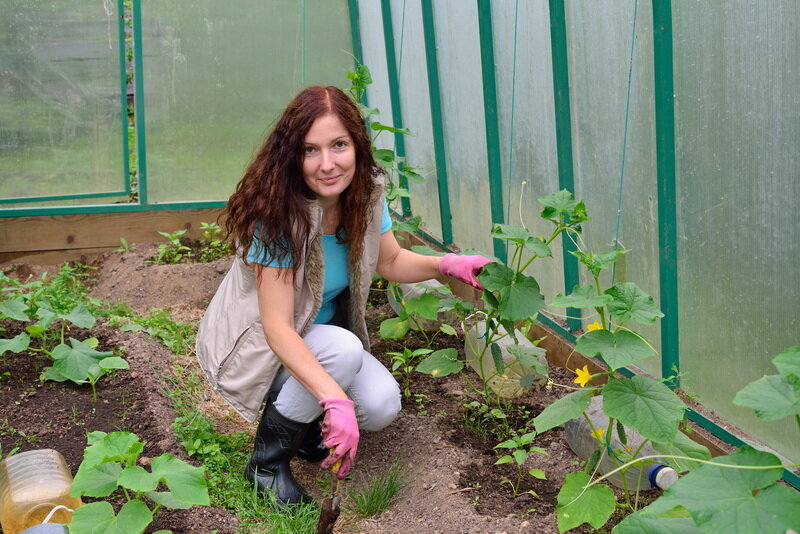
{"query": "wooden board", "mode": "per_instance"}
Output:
(27, 239)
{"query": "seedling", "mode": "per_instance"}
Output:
(520, 448)
(214, 247)
(173, 251)
(403, 365)
(110, 467)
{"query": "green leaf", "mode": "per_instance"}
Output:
(529, 357)
(14, 309)
(441, 363)
(448, 329)
(723, 499)
(618, 350)
(520, 456)
(522, 237)
(578, 504)
(788, 361)
(74, 362)
(581, 297)
(99, 518)
(122, 447)
(35, 330)
(645, 406)
(425, 305)
(537, 473)
(598, 262)
(773, 397)
(382, 127)
(16, 345)
(131, 327)
(137, 478)
(114, 362)
(559, 203)
(394, 328)
(519, 296)
(166, 498)
(96, 480)
(652, 524)
(186, 482)
(568, 407)
(80, 317)
(630, 302)
(497, 356)
(683, 445)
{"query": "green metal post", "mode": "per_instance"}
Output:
(355, 31)
(123, 94)
(394, 93)
(138, 74)
(491, 120)
(566, 176)
(667, 197)
(437, 121)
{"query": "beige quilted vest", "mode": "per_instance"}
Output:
(231, 348)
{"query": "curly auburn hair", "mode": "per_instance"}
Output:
(272, 197)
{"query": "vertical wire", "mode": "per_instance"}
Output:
(624, 140)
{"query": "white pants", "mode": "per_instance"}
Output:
(365, 380)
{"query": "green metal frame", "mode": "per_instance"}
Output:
(491, 119)
(566, 172)
(124, 122)
(394, 94)
(437, 120)
(138, 73)
(355, 31)
(110, 208)
(667, 196)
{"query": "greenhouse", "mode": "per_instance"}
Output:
(620, 166)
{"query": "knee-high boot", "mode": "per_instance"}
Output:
(312, 449)
(276, 443)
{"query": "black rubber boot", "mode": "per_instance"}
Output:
(312, 449)
(276, 443)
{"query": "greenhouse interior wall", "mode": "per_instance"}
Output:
(676, 122)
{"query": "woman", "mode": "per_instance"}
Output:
(286, 328)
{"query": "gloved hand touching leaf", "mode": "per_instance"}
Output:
(464, 268)
(340, 432)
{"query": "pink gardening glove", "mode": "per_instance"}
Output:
(339, 431)
(464, 268)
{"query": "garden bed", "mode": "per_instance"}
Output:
(453, 484)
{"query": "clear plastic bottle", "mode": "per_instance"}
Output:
(646, 476)
(32, 484)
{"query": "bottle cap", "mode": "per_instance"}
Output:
(662, 476)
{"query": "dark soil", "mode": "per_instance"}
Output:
(453, 484)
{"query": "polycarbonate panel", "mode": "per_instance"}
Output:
(527, 125)
(374, 57)
(218, 74)
(737, 109)
(60, 102)
(462, 106)
(415, 102)
(599, 44)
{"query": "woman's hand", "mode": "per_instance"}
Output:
(340, 432)
(464, 268)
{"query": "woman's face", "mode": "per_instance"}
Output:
(329, 159)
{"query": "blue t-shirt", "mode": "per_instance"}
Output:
(336, 276)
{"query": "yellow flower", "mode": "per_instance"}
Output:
(599, 433)
(594, 326)
(583, 376)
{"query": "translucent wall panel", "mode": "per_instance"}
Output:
(374, 52)
(599, 42)
(217, 75)
(60, 102)
(527, 124)
(462, 106)
(415, 101)
(736, 81)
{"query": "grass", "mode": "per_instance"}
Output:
(376, 494)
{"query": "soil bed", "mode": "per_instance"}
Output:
(453, 484)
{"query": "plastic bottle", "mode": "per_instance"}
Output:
(644, 476)
(508, 384)
(32, 484)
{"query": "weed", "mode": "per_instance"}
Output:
(420, 399)
(403, 365)
(124, 246)
(173, 251)
(520, 448)
(214, 247)
(376, 494)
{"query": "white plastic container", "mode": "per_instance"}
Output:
(579, 437)
(508, 384)
(32, 484)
